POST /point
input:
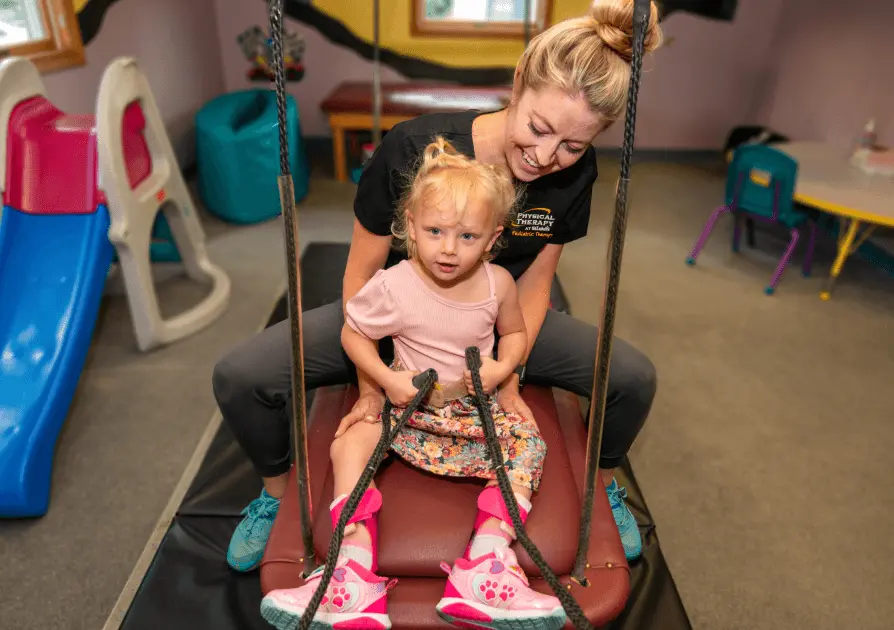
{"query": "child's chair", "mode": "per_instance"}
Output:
(772, 202)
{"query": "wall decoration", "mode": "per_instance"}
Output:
(467, 60)
(90, 16)
(258, 49)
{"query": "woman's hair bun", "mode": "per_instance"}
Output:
(613, 22)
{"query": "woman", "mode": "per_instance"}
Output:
(570, 85)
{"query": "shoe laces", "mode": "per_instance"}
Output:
(260, 510)
(617, 495)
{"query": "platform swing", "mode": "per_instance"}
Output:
(578, 555)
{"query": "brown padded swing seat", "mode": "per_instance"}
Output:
(426, 519)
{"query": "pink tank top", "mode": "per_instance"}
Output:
(428, 330)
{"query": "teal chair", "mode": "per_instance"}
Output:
(773, 203)
(237, 152)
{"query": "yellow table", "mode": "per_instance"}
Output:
(828, 182)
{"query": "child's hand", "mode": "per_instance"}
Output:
(400, 388)
(492, 374)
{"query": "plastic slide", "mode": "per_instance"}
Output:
(54, 257)
(59, 230)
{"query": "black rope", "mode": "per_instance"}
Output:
(276, 34)
(642, 10)
(572, 608)
(424, 382)
(293, 267)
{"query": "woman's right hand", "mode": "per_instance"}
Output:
(400, 388)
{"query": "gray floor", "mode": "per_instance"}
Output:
(764, 460)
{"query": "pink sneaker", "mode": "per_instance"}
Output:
(355, 600)
(493, 592)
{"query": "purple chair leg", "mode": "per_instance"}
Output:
(703, 237)
(811, 245)
(737, 231)
(783, 262)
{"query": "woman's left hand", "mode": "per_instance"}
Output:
(511, 401)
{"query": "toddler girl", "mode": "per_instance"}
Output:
(444, 298)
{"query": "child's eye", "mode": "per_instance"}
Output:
(468, 236)
(434, 231)
(535, 130)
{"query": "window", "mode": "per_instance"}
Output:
(45, 31)
(479, 17)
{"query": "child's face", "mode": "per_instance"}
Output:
(449, 248)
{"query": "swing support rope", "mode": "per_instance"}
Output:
(293, 266)
(603, 348)
(641, 12)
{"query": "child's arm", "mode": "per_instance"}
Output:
(510, 324)
(513, 335)
(371, 314)
(364, 353)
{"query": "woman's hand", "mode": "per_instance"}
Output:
(492, 374)
(400, 389)
(511, 401)
(366, 409)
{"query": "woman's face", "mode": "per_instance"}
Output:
(548, 130)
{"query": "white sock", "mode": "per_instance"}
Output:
(361, 555)
(486, 540)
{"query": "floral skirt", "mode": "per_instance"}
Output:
(451, 441)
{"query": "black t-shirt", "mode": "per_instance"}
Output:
(555, 208)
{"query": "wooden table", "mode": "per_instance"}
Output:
(349, 107)
(828, 182)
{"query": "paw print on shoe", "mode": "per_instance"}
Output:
(507, 592)
(340, 597)
(488, 590)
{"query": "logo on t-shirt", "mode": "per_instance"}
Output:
(534, 222)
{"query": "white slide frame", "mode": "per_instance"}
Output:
(133, 212)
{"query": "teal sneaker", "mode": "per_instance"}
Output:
(250, 538)
(626, 522)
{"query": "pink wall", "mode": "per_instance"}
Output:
(175, 43)
(704, 80)
(693, 91)
(833, 71)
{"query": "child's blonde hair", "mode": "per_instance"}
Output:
(589, 56)
(445, 172)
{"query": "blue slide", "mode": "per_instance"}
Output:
(52, 273)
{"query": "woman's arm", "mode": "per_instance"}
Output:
(367, 255)
(533, 295)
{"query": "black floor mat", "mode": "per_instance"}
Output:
(190, 587)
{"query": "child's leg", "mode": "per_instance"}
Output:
(493, 526)
(487, 587)
(356, 596)
(350, 454)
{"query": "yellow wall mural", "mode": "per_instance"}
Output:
(395, 33)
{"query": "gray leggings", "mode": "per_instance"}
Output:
(252, 382)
